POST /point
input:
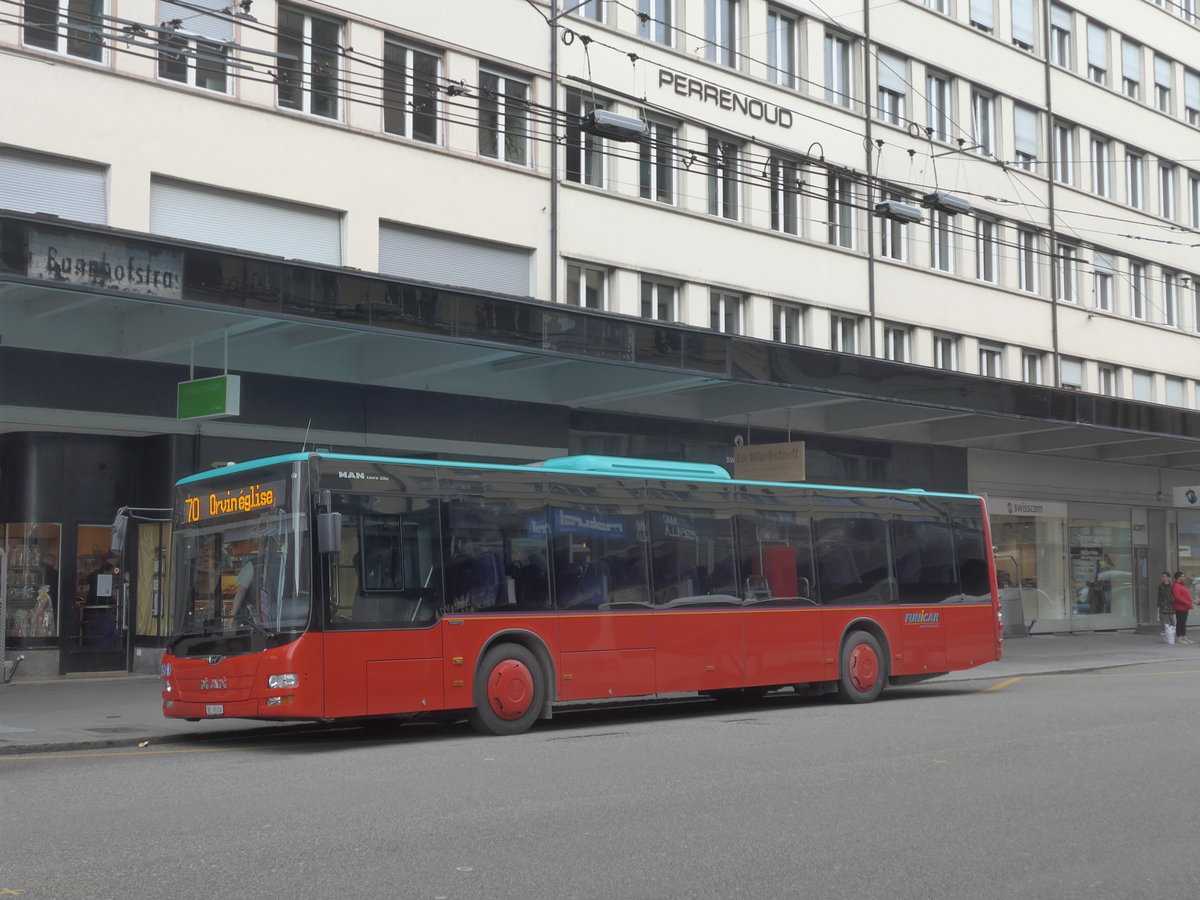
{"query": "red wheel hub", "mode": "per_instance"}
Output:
(864, 667)
(510, 689)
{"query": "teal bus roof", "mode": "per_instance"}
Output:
(607, 466)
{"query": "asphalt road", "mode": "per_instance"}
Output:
(1067, 786)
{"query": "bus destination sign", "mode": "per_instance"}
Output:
(251, 498)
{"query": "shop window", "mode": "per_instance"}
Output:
(31, 551)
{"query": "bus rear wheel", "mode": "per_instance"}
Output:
(510, 691)
(864, 668)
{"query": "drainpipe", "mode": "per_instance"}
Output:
(870, 173)
(553, 151)
(1048, 71)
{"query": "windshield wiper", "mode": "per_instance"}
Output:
(250, 620)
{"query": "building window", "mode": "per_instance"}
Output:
(1031, 367)
(986, 250)
(73, 27)
(936, 5)
(1195, 303)
(659, 22)
(787, 323)
(1137, 290)
(1191, 96)
(656, 155)
(837, 69)
(591, 9)
(1174, 392)
(1134, 187)
(1131, 69)
(1166, 190)
(1025, 136)
(1097, 53)
(723, 31)
(1163, 82)
(1027, 260)
(983, 122)
(1024, 24)
(945, 352)
(725, 312)
(723, 177)
(941, 240)
(1194, 200)
(843, 333)
(308, 68)
(1106, 381)
(200, 56)
(585, 151)
(781, 48)
(1101, 161)
(892, 81)
(1064, 153)
(893, 233)
(841, 211)
(660, 301)
(937, 105)
(504, 118)
(410, 90)
(785, 195)
(896, 343)
(1060, 36)
(991, 361)
(983, 15)
(1070, 374)
(1066, 263)
(587, 286)
(1170, 299)
(1103, 273)
(1143, 387)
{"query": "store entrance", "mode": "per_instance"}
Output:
(95, 628)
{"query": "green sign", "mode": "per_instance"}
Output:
(208, 398)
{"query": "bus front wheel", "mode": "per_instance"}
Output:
(864, 668)
(510, 690)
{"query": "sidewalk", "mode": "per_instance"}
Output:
(107, 711)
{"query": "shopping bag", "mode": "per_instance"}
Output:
(1168, 634)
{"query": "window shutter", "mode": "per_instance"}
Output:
(68, 188)
(1022, 21)
(247, 222)
(982, 13)
(1025, 129)
(1097, 46)
(451, 259)
(892, 69)
(1131, 60)
(217, 28)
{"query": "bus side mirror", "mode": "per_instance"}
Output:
(329, 532)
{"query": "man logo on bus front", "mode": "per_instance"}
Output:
(214, 684)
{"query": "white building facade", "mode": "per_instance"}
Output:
(974, 222)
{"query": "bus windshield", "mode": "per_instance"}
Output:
(240, 580)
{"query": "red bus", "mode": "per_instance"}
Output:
(329, 586)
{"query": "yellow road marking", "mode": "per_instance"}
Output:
(1001, 685)
(1093, 674)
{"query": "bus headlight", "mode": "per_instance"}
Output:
(289, 680)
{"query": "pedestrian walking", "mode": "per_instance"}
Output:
(1182, 603)
(1166, 612)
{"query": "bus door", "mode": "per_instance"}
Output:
(926, 578)
(699, 642)
(383, 649)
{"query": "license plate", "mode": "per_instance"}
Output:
(214, 709)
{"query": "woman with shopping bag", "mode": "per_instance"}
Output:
(1182, 603)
